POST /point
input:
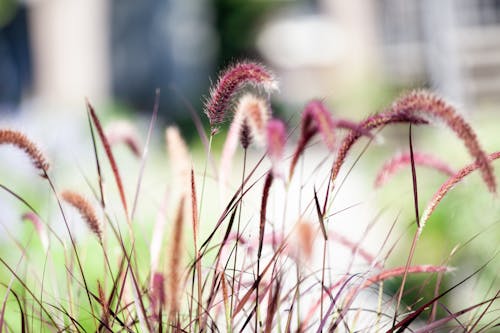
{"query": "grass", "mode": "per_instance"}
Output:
(280, 249)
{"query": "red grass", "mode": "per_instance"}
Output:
(276, 139)
(420, 107)
(124, 132)
(229, 82)
(317, 119)
(22, 142)
(306, 288)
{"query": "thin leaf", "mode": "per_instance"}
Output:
(111, 158)
(145, 152)
(320, 216)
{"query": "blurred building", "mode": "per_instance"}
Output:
(166, 44)
(123, 50)
(106, 50)
(449, 46)
(69, 42)
(15, 55)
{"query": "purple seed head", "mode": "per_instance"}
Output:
(252, 114)
(276, 138)
(429, 106)
(403, 160)
(245, 135)
(372, 122)
(158, 290)
(124, 132)
(229, 82)
(448, 185)
(315, 118)
(316, 112)
(421, 107)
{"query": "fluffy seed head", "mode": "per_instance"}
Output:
(104, 303)
(276, 138)
(431, 107)
(315, 118)
(124, 132)
(109, 153)
(402, 160)
(255, 114)
(448, 185)
(306, 234)
(420, 107)
(179, 156)
(229, 82)
(371, 123)
(158, 290)
(175, 261)
(316, 114)
(394, 272)
(40, 230)
(20, 141)
(249, 123)
(245, 135)
(85, 209)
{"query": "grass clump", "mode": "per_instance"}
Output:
(264, 262)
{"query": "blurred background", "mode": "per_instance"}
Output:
(53, 53)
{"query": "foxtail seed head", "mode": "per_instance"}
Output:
(124, 132)
(85, 209)
(402, 160)
(20, 141)
(229, 82)
(276, 138)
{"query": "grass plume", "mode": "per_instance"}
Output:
(175, 283)
(85, 209)
(402, 160)
(249, 124)
(421, 107)
(316, 118)
(272, 257)
(124, 132)
(448, 185)
(276, 140)
(22, 142)
(111, 158)
(230, 81)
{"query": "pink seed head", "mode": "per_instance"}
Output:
(126, 133)
(33, 218)
(316, 112)
(276, 138)
(40, 230)
(430, 107)
(158, 290)
(229, 82)
(252, 114)
(306, 233)
(421, 107)
(449, 184)
(248, 125)
(315, 118)
(403, 160)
